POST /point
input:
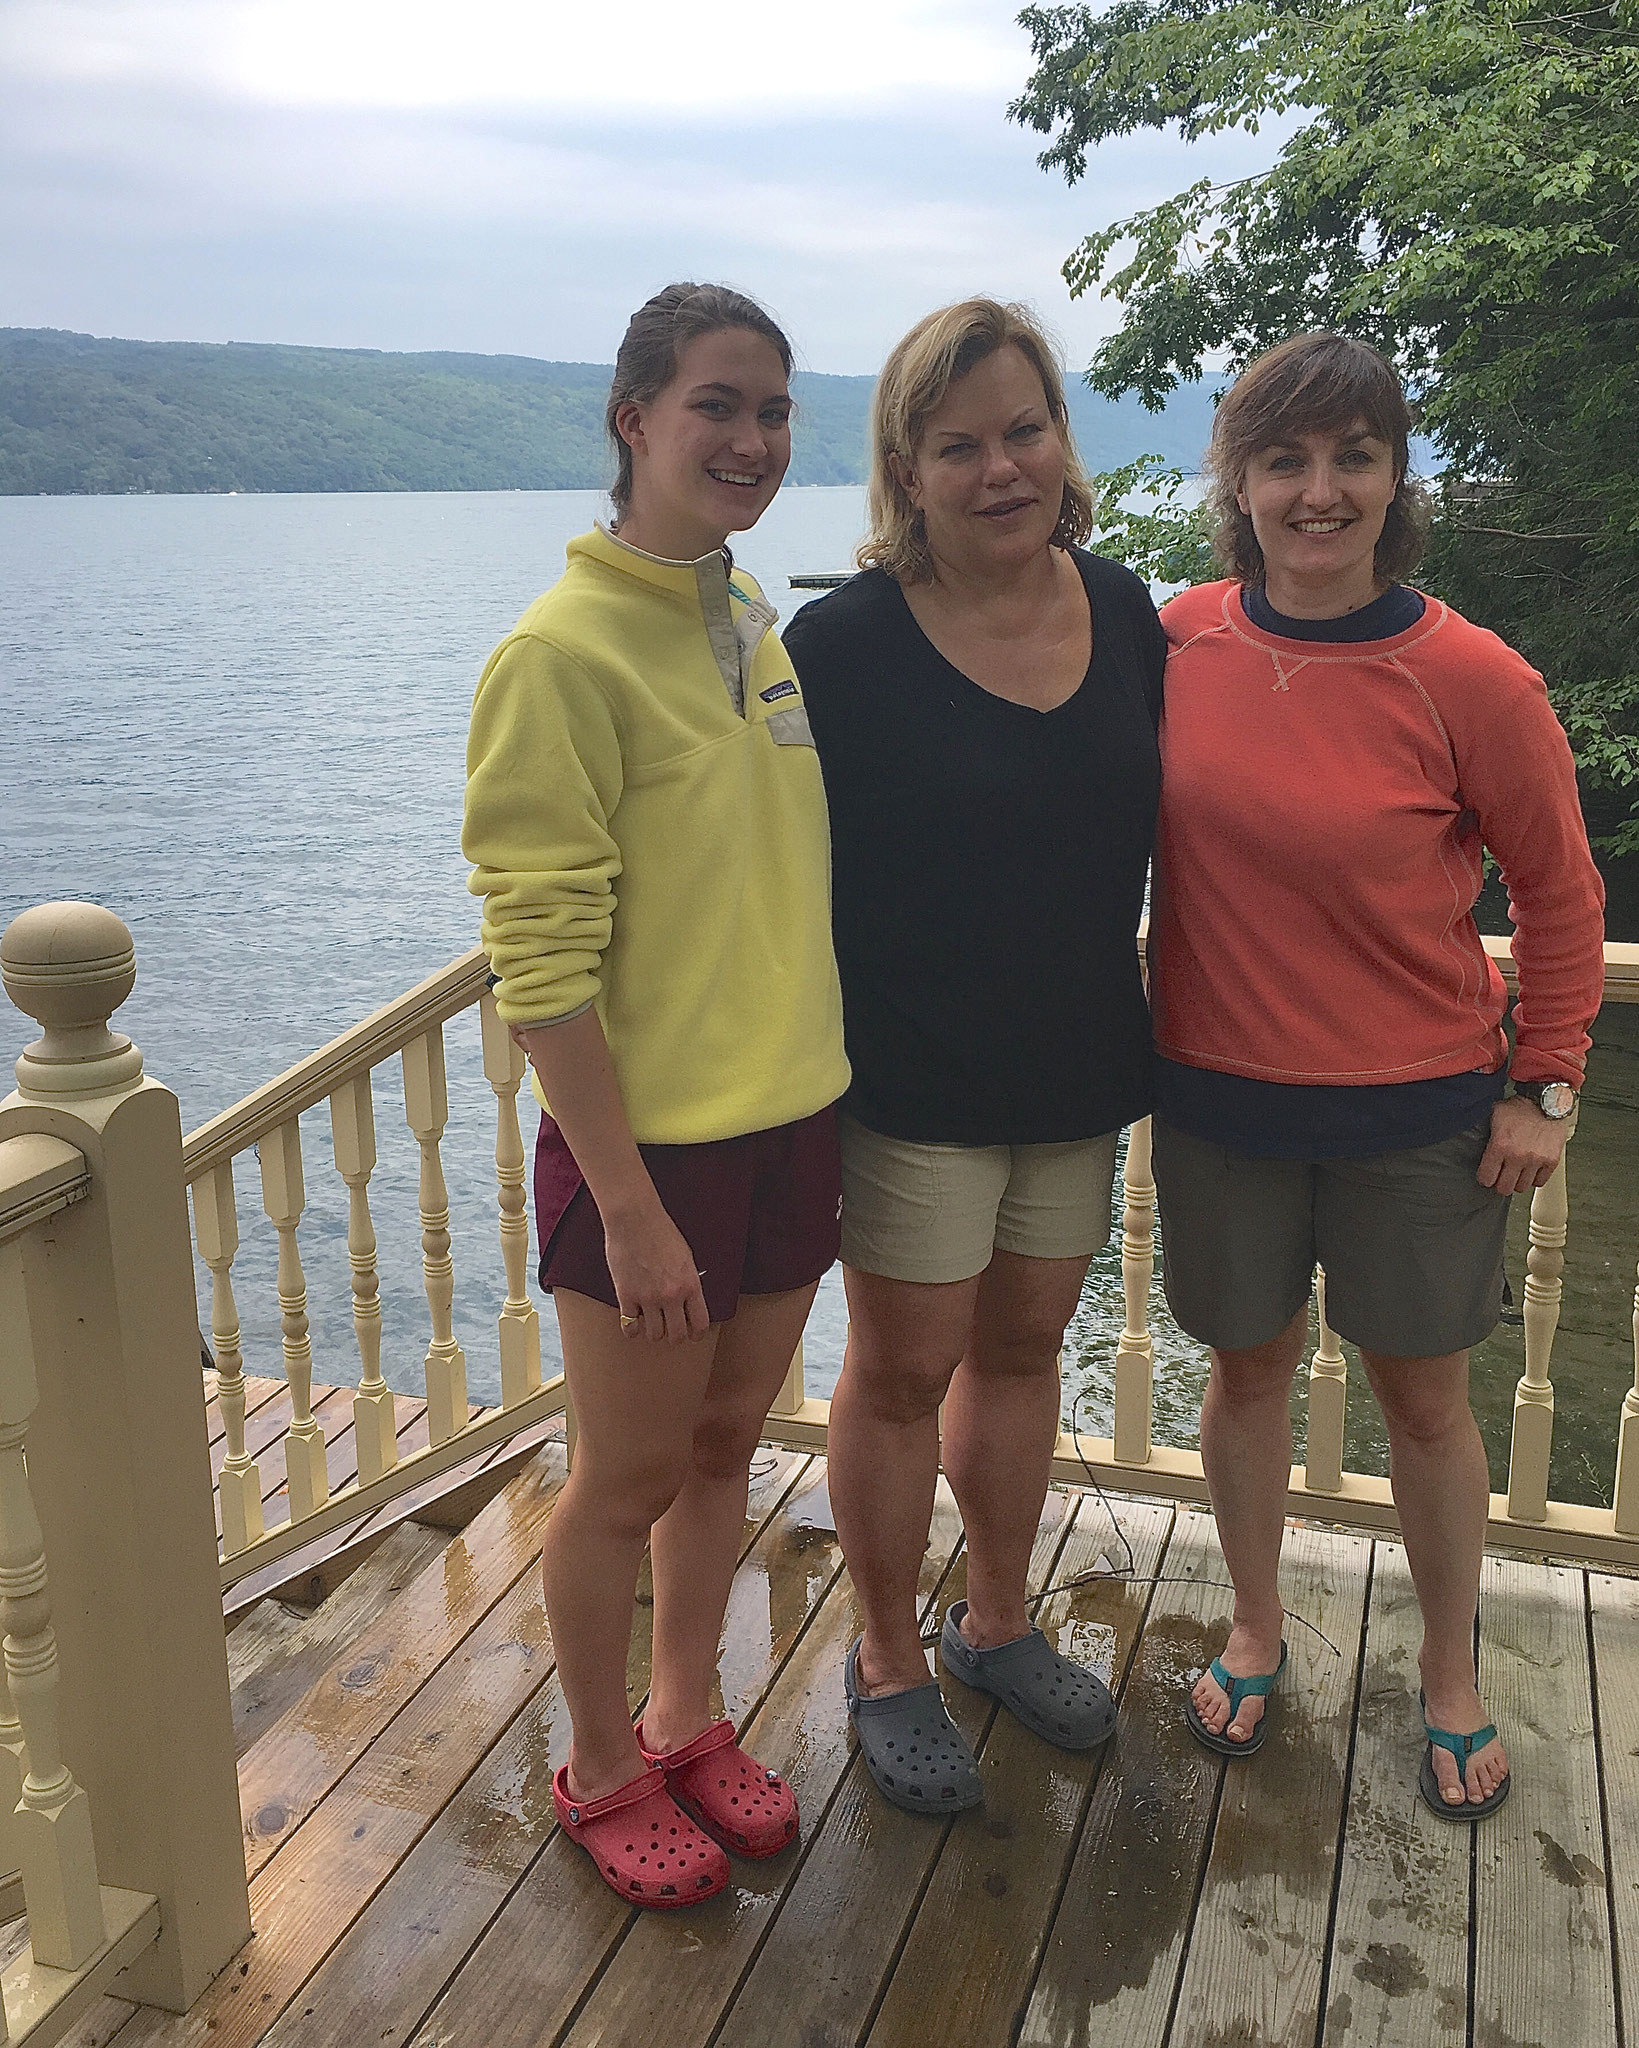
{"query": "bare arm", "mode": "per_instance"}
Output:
(649, 1260)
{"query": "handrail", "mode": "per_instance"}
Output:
(38, 1176)
(453, 988)
(382, 1034)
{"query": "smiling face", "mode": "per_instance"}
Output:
(709, 451)
(988, 470)
(1317, 505)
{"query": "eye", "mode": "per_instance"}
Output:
(776, 416)
(1031, 430)
(956, 448)
(1282, 465)
(713, 408)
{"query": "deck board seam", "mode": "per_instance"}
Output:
(800, 1469)
(1604, 1814)
(885, 1985)
(1195, 1905)
(1342, 1850)
(1050, 1921)
(828, 1806)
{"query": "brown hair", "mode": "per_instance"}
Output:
(919, 371)
(656, 335)
(1312, 384)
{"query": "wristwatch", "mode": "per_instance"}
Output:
(1556, 1099)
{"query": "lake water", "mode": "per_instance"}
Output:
(240, 723)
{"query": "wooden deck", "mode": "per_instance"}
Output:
(409, 1886)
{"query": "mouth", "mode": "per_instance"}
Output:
(1319, 526)
(1007, 506)
(741, 479)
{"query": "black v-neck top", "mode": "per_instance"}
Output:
(989, 864)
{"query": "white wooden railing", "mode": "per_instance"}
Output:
(118, 1796)
(267, 1122)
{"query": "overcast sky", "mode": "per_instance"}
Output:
(515, 175)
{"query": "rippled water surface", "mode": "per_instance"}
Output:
(240, 723)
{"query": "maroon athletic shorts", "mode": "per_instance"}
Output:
(760, 1213)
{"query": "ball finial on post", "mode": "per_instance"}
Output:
(70, 966)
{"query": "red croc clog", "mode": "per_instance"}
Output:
(745, 1806)
(644, 1845)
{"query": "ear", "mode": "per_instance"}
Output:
(629, 424)
(905, 476)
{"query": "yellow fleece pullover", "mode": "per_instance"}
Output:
(648, 830)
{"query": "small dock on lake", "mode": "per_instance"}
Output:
(409, 1884)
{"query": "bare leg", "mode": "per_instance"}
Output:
(904, 1342)
(1246, 1448)
(694, 1546)
(637, 1406)
(1001, 1423)
(1442, 1491)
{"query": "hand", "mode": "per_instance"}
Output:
(1525, 1147)
(655, 1281)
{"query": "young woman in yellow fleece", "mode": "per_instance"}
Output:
(648, 831)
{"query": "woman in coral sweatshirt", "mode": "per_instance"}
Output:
(1333, 1077)
(648, 831)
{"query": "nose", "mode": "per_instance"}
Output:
(1000, 468)
(750, 440)
(1321, 486)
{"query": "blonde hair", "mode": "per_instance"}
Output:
(919, 372)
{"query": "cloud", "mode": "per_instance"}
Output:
(165, 173)
(743, 62)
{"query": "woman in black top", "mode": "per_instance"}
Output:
(984, 698)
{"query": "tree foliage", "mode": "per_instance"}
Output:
(1458, 183)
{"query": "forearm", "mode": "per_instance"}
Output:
(578, 1077)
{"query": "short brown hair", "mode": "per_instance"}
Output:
(656, 335)
(1312, 384)
(920, 370)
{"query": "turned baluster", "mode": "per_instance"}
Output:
(1328, 1398)
(52, 1825)
(353, 1136)
(1533, 1436)
(520, 1324)
(1135, 1353)
(284, 1196)
(427, 1111)
(216, 1232)
(1627, 1445)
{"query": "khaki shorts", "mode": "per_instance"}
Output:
(935, 1213)
(1411, 1243)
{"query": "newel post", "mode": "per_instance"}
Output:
(119, 1463)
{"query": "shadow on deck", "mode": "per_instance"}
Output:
(409, 1886)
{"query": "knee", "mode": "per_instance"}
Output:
(627, 1496)
(1023, 1351)
(905, 1388)
(1245, 1380)
(1415, 1418)
(725, 1440)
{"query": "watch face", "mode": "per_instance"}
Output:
(1558, 1099)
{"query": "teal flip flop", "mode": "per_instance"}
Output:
(1259, 1686)
(1462, 1747)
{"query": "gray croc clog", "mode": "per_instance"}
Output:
(1061, 1702)
(912, 1748)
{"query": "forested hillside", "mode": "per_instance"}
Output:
(84, 415)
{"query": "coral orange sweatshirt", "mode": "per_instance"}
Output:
(1323, 811)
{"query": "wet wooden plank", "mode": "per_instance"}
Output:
(1399, 1969)
(1614, 1609)
(391, 1967)
(1255, 1952)
(258, 1392)
(299, 1648)
(309, 1748)
(682, 1966)
(1110, 1964)
(1542, 1953)
(840, 1923)
(967, 1969)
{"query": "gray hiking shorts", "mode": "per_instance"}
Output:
(1412, 1245)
